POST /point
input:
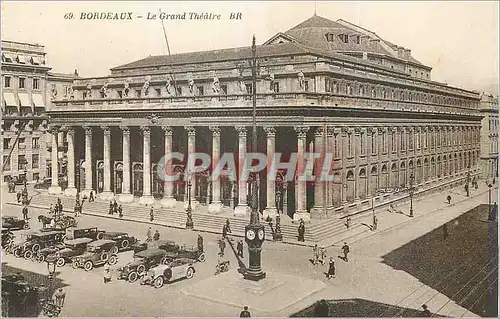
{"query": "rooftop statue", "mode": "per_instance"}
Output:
(216, 86)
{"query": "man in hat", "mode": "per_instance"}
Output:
(156, 236)
(301, 230)
(245, 313)
(149, 235)
(151, 213)
(345, 250)
(59, 297)
(200, 243)
(239, 248)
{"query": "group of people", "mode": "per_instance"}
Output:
(150, 237)
(56, 209)
(319, 256)
(114, 208)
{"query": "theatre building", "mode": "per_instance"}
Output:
(323, 86)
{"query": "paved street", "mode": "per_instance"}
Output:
(365, 276)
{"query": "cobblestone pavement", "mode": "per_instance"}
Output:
(364, 276)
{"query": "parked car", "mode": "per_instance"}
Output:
(123, 240)
(97, 253)
(37, 241)
(186, 252)
(167, 245)
(73, 248)
(13, 222)
(44, 252)
(90, 232)
(177, 269)
(143, 261)
(7, 237)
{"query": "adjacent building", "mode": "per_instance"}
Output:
(323, 86)
(489, 137)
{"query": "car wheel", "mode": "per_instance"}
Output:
(112, 260)
(26, 226)
(61, 262)
(28, 254)
(141, 269)
(190, 273)
(41, 258)
(75, 264)
(158, 282)
(18, 252)
(104, 257)
(114, 250)
(99, 235)
(202, 257)
(132, 277)
(125, 244)
(88, 266)
(35, 248)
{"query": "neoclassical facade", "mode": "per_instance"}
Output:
(323, 86)
(489, 136)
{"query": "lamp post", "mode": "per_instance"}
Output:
(278, 236)
(490, 214)
(254, 231)
(51, 265)
(189, 211)
(468, 181)
(411, 189)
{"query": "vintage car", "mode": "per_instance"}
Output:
(13, 222)
(42, 254)
(19, 298)
(174, 270)
(60, 223)
(90, 232)
(186, 252)
(36, 241)
(143, 261)
(123, 240)
(7, 237)
(73, 248)
(168, 245)
(97, 253)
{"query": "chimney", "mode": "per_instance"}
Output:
(401, 52)
(407, 54)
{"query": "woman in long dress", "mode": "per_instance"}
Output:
(331, 269)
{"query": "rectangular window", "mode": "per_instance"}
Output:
(35, 142)
(7, 164)
(36, 84)
(403, 137)
(374, 143)
(384, 142)
(362, 142)
(306, 86)
(21, 162)
(6, 81)
(179, 91)
(36, 176)
(410, 140)
(276, 87)
(201, 90)
(393, 142)
(22, 83)
(22, 143)
(336, 146)
(249, 88)
(35, 161)
(6, 143)
(349, 144)
(223, 89)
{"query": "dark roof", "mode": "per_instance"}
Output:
(213, 55)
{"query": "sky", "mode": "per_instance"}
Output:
(459, 40)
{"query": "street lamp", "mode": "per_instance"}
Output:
(278, 236)
(189, 211)
(411, 189)
(51, 265)
(490, 214)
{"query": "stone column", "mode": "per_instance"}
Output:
(126, 196)
(54, 188)
(168, 200)
(330, 186)
(344, 138)
(88, 161)
(71, 190)
(216, 205)
(242, 209)
(107, 194)
(318, 210)
(357, 153)
(191, 132)
(146, 198)
(270, 210)
(301, 210)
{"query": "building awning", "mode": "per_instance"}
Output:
(21, 59)
(38, 100)
(35, 60)
(24, 99)
(9, 99)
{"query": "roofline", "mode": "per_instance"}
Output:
(26, 43)
(280, 34)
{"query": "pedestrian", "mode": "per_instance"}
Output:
(375, 222)
(331, 269)
(75, 210)
(301, 230)
(228, 226)
(475, 185)
(120, 211)
(222, 247)
(110, 211)
(322, 255)
(448, 198)
(59, 297)
(224, 231)
(239, 248)
(25, 212)
(345, 250)
(348, 222)
(245, 313)
(426, 312)
(51, 209)
(91, 196)
(18, 196)
(59, 204)
(107, 273)
(156, 236)
(149, 235)
(115, 206)
(200, 243)
(315, 254)
(151, 214)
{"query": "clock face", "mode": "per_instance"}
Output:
(250, 234)
(261, 234)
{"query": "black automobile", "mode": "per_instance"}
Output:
(167, 245)
(72, 248)
(123, 240)
(37, 241)
(186, 252)
(13, 222)
(19, 299)
(143, 261)
(7, 237)
(89, 232)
